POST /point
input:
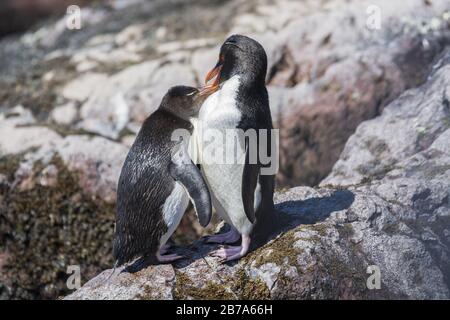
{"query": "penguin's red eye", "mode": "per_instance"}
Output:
(221, 58)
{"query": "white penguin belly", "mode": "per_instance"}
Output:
(173, 210)
(219, 113)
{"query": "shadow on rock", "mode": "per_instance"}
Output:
(313, 210)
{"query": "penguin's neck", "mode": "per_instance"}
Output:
(175, 113)
(222, 103)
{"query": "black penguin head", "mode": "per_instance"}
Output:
(183, 101)
(239, 55)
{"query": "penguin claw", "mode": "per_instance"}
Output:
(226, 253)
(233, 253)
(228, 237)
(164, 248)
(169, 257)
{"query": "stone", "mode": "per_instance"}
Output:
(81, 88)
(14, 140)
(65, 114)
(340, 82)
(132, 94)
(377, 145)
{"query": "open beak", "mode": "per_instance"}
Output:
(213, 74)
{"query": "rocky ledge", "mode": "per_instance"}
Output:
(386, 204)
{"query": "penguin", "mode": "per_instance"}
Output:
(157, 180)
(238, 99)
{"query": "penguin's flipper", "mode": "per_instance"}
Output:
(183, 170)
(249, 180)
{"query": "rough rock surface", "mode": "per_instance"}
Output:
(57, 194)
(335, 75)
(398, 222)
(378, 145)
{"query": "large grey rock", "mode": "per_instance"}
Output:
(337, 74)
(95, 160)
(18, 134)
(378, 145)
(65, 114)
(131, 94)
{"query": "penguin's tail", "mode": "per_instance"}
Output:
(122, 250)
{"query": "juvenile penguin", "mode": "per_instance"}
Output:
(241, 195)
(157, 180)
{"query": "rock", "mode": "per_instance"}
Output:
(18, 16)
(81, 88)
(377, 145)
(349, 74)
(15, 139)
(61, 198)
(333, 237)
(203, 60)
(17, 116)
(128, 140)
(107, 110)
(183, 45)
(130, 34)
(65, 114)
(132, 94)
(96, 161)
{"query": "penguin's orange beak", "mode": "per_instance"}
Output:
(214, 73)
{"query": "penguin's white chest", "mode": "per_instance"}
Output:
(220, 109)
(218, 115)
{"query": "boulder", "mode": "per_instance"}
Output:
(378, 146)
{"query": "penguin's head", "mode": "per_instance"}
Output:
(239, 55)
(183, 101)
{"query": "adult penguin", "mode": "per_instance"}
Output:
(157, 180)
(242, 193)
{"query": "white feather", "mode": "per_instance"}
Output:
(173, 210)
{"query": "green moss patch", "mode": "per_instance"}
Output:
(276, 252)
(240, 286)
(248, 288)
(185, 288)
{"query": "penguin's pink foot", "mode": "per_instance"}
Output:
(228, 237)
(167, 258)
(226, 253)
(233, 253)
